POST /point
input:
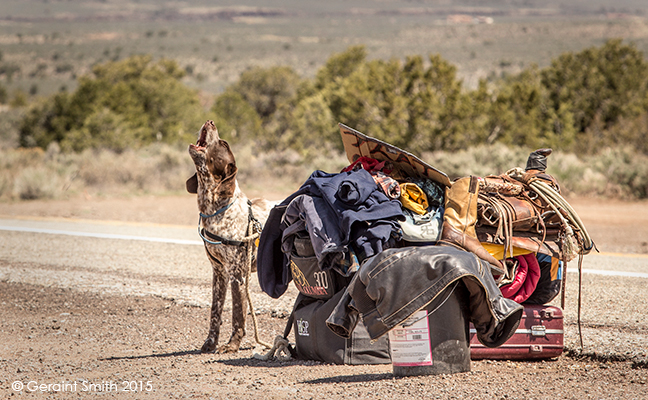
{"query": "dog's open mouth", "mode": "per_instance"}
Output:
(202, 140)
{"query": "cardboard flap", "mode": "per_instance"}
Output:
(357, 144)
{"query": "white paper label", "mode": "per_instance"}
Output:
(410, 344)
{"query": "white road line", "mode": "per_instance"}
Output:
(200, 243)
(101, 235)
(610, 273)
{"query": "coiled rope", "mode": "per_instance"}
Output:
(572, 248)
(280, 350)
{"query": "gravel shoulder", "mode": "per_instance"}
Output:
(132, 345)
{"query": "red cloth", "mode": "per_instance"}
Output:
(510, 289)
(369, 164)
(531, 281)
(529, 275)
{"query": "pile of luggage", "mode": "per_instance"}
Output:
(389, 235)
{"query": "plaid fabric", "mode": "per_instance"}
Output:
(388, 184)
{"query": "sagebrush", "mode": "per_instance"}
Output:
(27, 174)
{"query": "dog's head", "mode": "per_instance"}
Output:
(215, 164)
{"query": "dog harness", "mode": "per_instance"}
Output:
(212, 238)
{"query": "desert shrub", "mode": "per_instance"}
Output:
(9, 70)
(281, 170)
(267, 89)
(258, 107)
(307, 127)
(236, 118)
(583, 102)
(4, 96)
(38, 174)
(405, 104)
(33, 183)
(9, 127)
(340, 65)
(579, 176)
(600, 86)
(479, 160)
(28, 176)
(607, 82)
(161, 169)
(622, 166)
(521, 114)
(5, 186)
(126, 118)
(123, 104)
(19, 99)
(628, 131)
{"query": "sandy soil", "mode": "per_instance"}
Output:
(146, 347)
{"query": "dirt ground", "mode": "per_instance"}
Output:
(65, 343)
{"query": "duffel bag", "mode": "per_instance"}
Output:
(309, 279)
(315, 341)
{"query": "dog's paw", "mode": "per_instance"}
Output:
(228, 348)
(209, 346)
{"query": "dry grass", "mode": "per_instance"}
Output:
(27, 174)
(36, 174)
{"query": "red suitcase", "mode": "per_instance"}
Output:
(540, 335)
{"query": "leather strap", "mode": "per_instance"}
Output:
(221, 239)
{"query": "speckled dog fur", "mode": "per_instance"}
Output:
(216, 186)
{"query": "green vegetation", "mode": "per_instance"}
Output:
(4, 96)
(583, 102)
(593, 103)
(122, 104)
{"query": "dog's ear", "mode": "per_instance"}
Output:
(192, 184)
(228, 184)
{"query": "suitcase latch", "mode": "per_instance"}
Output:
(538, 330)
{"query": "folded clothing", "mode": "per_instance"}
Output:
(424, 228)
(434, 192)
(525, 280)
(413, 198)
(341, 212)
(388, 184)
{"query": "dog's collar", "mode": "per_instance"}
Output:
(219, 211)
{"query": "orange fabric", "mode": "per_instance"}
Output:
(413, 198)
(497, 251)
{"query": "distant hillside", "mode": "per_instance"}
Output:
(45, 45)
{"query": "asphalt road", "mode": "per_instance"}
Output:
(169, 261)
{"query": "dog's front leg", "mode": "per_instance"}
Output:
(239, 314)
(219, 290)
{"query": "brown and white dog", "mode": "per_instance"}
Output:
(225, 214)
